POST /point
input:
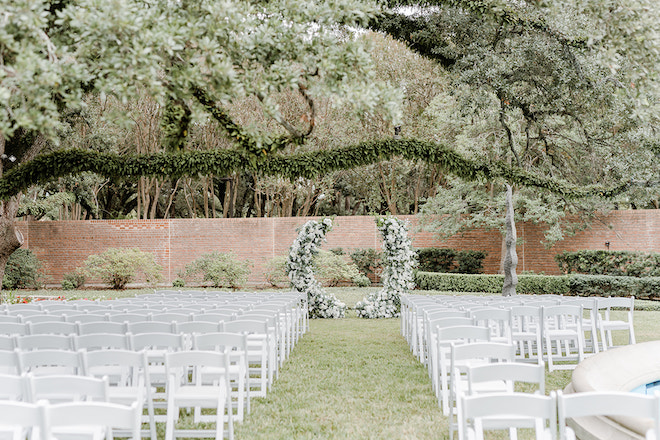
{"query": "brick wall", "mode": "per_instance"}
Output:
(65, 245)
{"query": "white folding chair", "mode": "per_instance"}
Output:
(156, 346)
(43, 342)
(197, 391)
(86, 328)
(170, 317)
(85, 317)
(101, 341)
(149, 327)
(128, 375)
(128, 317)
(503, 411)
(608, 404)
(562, 330)
(259, 342)
(50, 361)
(526, 330)
(52, 327)
(606, 322)
(7, 342)
(13, 328)
(17, 419)
(476, 353)
(589, 321)
(9, 362)
(498, 320)
(445, 336)
(13, 387)
(65, 419)
(67, 388)
(499, 377)
(235, 345)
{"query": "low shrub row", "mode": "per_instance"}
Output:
(575, 284)
(614, 263)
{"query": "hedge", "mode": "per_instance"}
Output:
(613, 263)
(575, 285)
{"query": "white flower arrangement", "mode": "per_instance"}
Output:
(398, 277)
(301, 275)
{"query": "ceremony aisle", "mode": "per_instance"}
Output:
(348, 379)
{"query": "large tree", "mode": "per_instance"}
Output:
(564, 89)
(191, 58)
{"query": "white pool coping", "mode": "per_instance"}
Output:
(618, 369)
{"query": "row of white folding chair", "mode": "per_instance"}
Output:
(553, 414)
(263, 340)
(70, 328)
(126, 367)
(43, 421)
(504, 376)
(464, 355)
(445, 337)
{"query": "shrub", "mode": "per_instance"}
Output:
(470, 261)
(576, 285)
(450, 260)
(275, 271)
(74, 280)
(613, 263)
(22, 271)
(221, 269)
(362, 281)
(120, 266)
(368, 261)
(332, 269)
(179, 282)
(436, 260)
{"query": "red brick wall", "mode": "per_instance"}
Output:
(63, 246)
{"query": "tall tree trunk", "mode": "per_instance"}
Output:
(511, 257)
(10, 238)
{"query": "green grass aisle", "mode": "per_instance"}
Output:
(348, 379)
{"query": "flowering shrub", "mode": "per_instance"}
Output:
(301, 274)
(399, 260)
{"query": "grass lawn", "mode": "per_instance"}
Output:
(357, 379)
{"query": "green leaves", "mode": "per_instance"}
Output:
(309, 164)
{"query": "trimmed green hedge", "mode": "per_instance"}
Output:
(576, 285)
(613, 263)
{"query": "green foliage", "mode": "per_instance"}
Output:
(603, 285)
(275, 271)
(576, 285)
(332, 269)
(11, 297)
(221, 269)
(436, 259)
(368, 261)
(74, 280)
(179, 282)
(119, 266)
(615, 263)
(450, 260)
(451, 282)
(362, 280)
(22, 271)
(470, 261)
(306, 164)
(527, 284)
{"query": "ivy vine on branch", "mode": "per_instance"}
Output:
(308, 164)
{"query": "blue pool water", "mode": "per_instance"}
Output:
(649, 388)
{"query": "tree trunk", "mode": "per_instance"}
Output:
(510, 258)
(10, 238)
